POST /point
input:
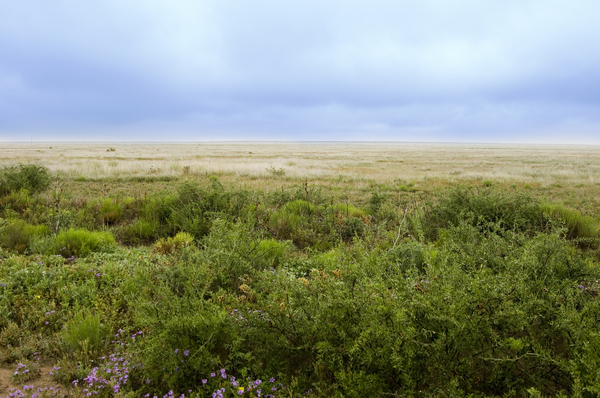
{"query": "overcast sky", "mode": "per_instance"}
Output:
(421, 70)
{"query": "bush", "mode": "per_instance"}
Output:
(352, 227)
(85, 335)
(81, 242)
(18, 235)
(17, 202)
(578, 226)
(111, 211)
(483, 207)
(289, 221)
(141, 231)
(348, 210)
(273, 250)
(31, 177)
(170, 245)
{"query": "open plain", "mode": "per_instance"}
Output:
(565, 173)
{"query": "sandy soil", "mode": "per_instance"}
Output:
(6, 383)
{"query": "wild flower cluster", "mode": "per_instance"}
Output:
(29, 392)
(222, 385)
(24, 373)
(250, 388)
(110, 377)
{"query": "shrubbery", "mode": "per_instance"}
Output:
(33, 178)
(513, 211)
(85, 335)
(80, 242)
(170, 245)
(478, 293)
(18, 235)
(578, 226)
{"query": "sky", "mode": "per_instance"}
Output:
(509, 71)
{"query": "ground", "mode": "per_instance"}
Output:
(6, 383)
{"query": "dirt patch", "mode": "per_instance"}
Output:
(43, 381)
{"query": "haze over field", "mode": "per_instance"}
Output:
(461, 71)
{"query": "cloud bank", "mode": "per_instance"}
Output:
(433, 70)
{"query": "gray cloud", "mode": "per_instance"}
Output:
(428, 70)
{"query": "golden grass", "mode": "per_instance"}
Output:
(381, 162)
(567, 174)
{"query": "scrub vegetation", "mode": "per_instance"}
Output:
(298, 280)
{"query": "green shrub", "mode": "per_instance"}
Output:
(157, 211)
(16, 202)
(18, 235)
(348, 210)
(513, 211)
(170, 245)
(352, 227)
(86, 335)
(111, 211)
(33, 178)
(289, 221)
(578, 226)
(407, 257)
(377, 199)
(141, 231)
(81, 242)
(273, 250)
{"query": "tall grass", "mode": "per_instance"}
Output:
(32, 177)
(578, 225)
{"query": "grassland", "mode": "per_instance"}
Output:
(570, 174)
(299, 269)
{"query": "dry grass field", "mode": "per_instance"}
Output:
(570, 174)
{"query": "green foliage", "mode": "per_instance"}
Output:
(19, 234)
(170, 245)
(195, 207)
(463, 297)
(110, 211)
(348, 210)
(274, 251)
(139, 232)
(276, 172)
(85, 335)
(16, 202)
(578, 226)
(513, 211)
(293, 221)
(287, 221)
(34, 178)
(446, 313)
(377, 199)
(81, 242)
(352, 227)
